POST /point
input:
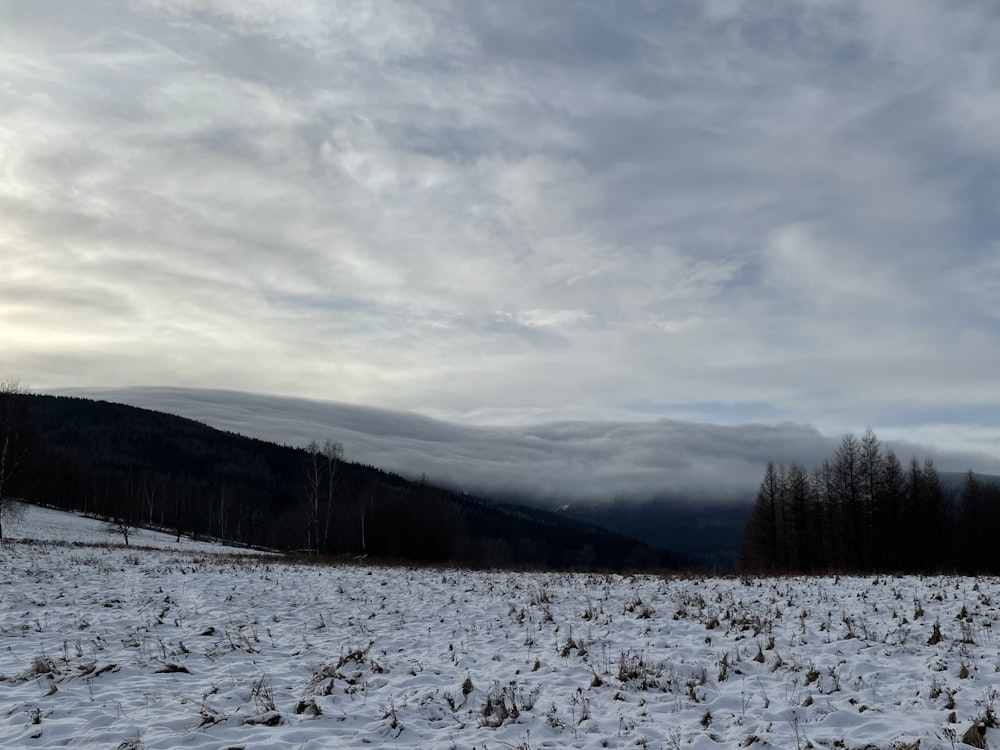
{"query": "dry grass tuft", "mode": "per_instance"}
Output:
(975, 735)
(935, 638)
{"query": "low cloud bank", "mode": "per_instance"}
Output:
(556, 461)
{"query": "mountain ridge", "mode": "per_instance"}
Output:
(132, 464)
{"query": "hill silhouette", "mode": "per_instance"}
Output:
(153, 469)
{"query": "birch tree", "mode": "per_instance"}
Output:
(333, 452)
(321, 474)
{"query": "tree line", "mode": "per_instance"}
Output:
(862, 510)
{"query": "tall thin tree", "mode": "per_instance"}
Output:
(333, 452)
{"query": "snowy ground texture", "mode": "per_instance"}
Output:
(111, 647)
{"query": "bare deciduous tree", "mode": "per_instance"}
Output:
(320, 485)
(333, 452)
(122, 526)
(314, 481)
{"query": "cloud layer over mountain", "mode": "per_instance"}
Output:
(558, 461)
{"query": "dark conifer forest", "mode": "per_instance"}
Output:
(863, 510)
(140, 468)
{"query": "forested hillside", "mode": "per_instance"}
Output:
(706, 530)
(862, 510)
(141, 467)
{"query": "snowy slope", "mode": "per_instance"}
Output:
(123, 648)
(48, 524)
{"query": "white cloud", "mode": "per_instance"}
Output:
(683, 325)
(803, 266)
(546, 318)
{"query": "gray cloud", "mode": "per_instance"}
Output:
(557, 461)
(512, 210)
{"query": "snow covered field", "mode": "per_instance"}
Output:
(179, 647)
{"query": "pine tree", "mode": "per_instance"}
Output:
(847, 474)
(759, 549)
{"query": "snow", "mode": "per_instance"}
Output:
(48, 524)
(107, 646)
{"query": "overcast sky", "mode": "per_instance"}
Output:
(513, 212)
